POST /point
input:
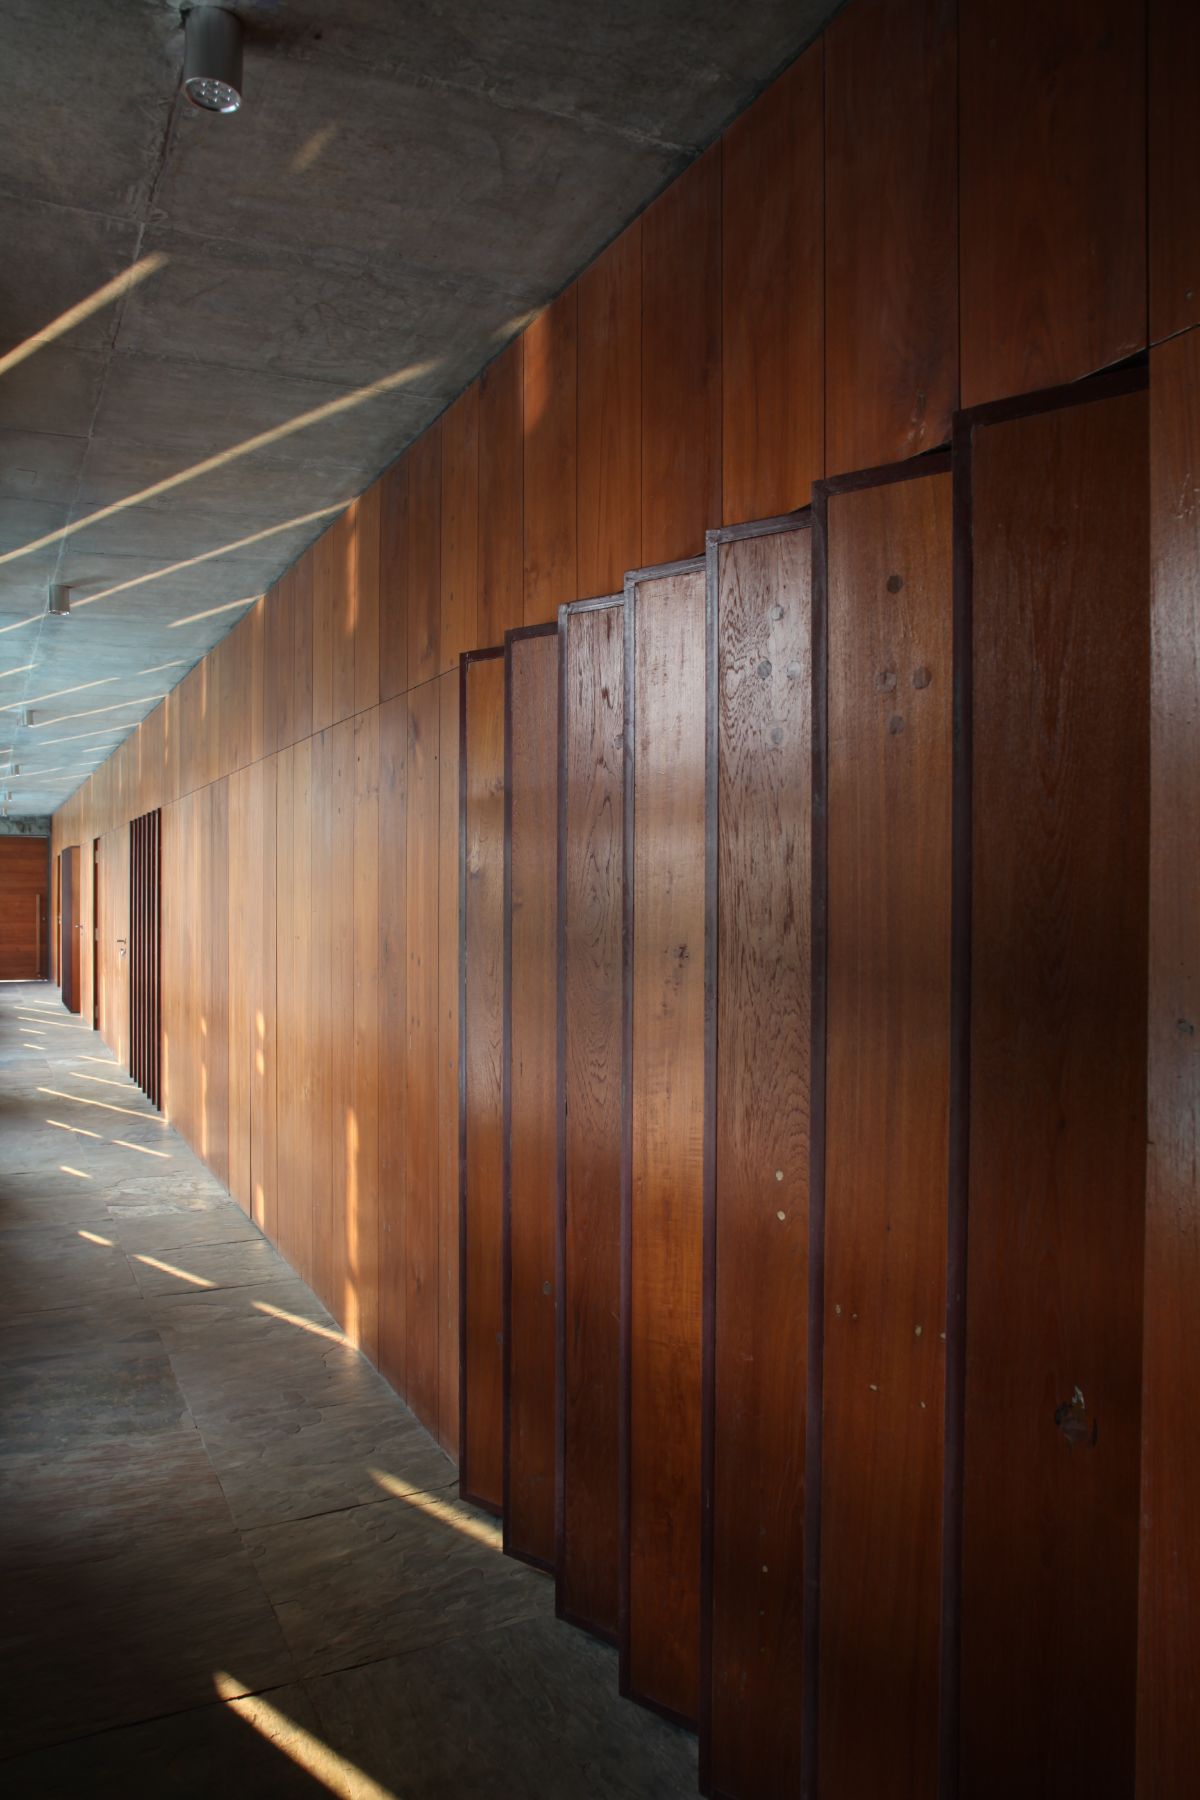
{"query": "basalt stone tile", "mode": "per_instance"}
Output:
(257, 1746)
(528, 1713)
(141, 1229)
(247, 1262)
(63, 1402)
(401, 1575)
(294, 1463)
(46, 1268)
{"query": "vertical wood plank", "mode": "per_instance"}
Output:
(1168, 1730)
(424, 552)
(301, 716)
(590, 849)
(501, 511)
(549, 410)
(323, 630)
(662, 1186)
(263, 1123)
(361, 1314)
(757, 1225)
(610, 415)
(530, 1081)
(681, 363)
(325, 893)
(393, 580)
(482, 910)
(345, 1143)
(421, 1118)
(1052, 191)
(449, 1273)
(393, 1039)
(772, 257)
(342, 537)
(1174, 151)
(1058, 845)
(891, 230)
(460, 528)
(366, 514)
(888, 1008)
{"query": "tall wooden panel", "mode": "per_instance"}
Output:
(663, 1130)
(772, 259)
(325, 633)
(393, 580)
(345, 1144)
(501, 512)
(448, 1037)
(460, 528)
(549, 435)
(529, 1083)
(481, 914)
(421, 1116)
(424, 555)
(891, 230)
(1052, 191)
(757, 1164)
(364, 615)
(326, 889)
(113, 952)
(1169, 1634)
(591, 788)
(1058, 577)
(302, 648)
(393, 1040)
(242, 974)
(681, 363)
(610, 414)
(263, 1120)
(212, 862)
(1174, 151)
(70, 926)
(294, 1006)
(360, 1314)
(888, 558)
(24, 909)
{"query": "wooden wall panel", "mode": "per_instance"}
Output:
(114, 933)
(1169, 1634)
(591, 810)
(481, 778)
(360, 1312)
(294, 1007)
(1059, 792)
(681, 363)
(460, 528)
(891, 230)
(424, 555)
(757, 1204)
(347, 1300)
(393, 580)
(663, 1128)
(302, 649)
(263, 1121)
(24, 908)
(889, 577)
(501, 563)
(245, 952)
(69, 927)
(212, 887)
(393, 1040)
(773, 305)
(326, 889)
(449, 1272)
(549, 438)
(422, 996)
(1052, 191)
(610, 415)
(530, 1071)
(365, 609)
(1174, 151)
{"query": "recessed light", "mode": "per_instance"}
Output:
(212, 62)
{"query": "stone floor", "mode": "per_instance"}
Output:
(231, 1561)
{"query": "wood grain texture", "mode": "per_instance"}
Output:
(681, 363)
(891, 230)
(326, 887)
(1060, 646)
(324, 626)
(460, 528)
(360, 1309)
(1052, 191)
(610, 415)
(501, 510)
(887, 1133)
(421, 1056)
(772, 373)
(24, 908)
(70, 926)
(1174, 151)
(530, 1144)
(481, 1218)
(449, 1273)
(549, 438)
(364, 613)
(294, 836)
(393, 1040)
(759, 1224)
(112, 966)
(393, 580)
(301, 714)
(264, 1141)
(424, 553)
(664, 1128)
(1169, 1628)
(590, 848)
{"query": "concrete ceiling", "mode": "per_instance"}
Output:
(405, 183)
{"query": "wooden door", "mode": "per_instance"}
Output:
(24, 866)
(71, 927)
(95, 934)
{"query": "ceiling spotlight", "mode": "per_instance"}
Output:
(59, 602)
(24, 717)
(212, 61)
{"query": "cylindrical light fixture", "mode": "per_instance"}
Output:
(212, 59)
(60, 600)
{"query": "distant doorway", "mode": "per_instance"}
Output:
(145, 937)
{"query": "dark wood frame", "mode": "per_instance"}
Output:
(145, 954)
(518, 634)
(800, 520)
(602, 603)
(466, 659)
(633, 580)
